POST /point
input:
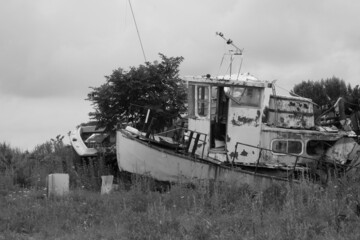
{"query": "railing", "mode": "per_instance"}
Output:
(318, 160)
(186, 139)
(196, 136)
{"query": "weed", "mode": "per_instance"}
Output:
(202, 211)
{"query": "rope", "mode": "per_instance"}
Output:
(237, 78)
(142, 48)
(222, 60)
(294, 94)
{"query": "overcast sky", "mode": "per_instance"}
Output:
(51, 51)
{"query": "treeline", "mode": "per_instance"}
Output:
(29, 169)
(327, 91)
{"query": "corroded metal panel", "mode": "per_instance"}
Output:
(269, 134)
(136, 156)
(244, 126)
(271, 158)
(290, 112)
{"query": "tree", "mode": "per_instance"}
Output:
(326, 92)
(335, 88)
(128, 94)
(313, 90)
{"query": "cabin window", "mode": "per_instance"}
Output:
(317, 147)
(248, 96)
(191, 101)
(202, 101)
(287, 146)
(214, 103)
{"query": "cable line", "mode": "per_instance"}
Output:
(142, 48)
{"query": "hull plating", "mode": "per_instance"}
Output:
(137, 156)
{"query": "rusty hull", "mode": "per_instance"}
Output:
(291, 112)
(268, 134)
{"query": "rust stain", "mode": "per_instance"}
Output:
(243, 120)
(235, 123)
(244, 153)
(257, 118)
(234, 155)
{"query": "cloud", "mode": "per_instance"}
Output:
(54, 48)
(26, 123)
(52, 51)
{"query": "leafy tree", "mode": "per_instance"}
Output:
(323, 92)
(326, 92)
(354, 99)
(128, 94)
(335, 88)
(313, 90)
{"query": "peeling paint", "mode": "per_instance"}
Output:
(228, 139)
(290, 113)
(243, 120)
(234, 155)
(244, 153)
(258, 113)
(257, 116)
(235, 123)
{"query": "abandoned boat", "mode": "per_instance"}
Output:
(87, 140)
(233, 136)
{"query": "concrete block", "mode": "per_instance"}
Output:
(106, 184)
(57, 184)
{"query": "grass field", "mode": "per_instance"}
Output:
(282, 211)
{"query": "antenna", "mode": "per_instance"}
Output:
(237, 51)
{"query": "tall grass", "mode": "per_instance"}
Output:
(281, 211)
(214, 211)
(29, 169)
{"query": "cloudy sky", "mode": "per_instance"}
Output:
(52, 51)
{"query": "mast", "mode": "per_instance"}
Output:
(236, 52)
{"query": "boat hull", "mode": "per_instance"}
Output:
(140, 157)
(79, 146)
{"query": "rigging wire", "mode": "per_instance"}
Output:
(142, 48)
(222, 60)
(231, 54)
(237, 78)
(292, 93)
